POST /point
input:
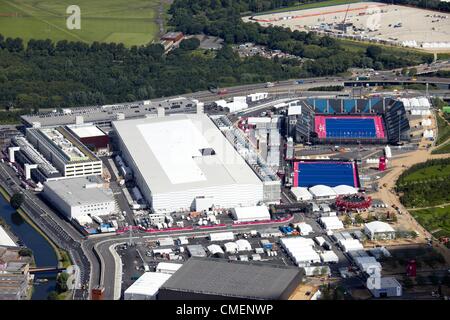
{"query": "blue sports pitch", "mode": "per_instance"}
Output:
(308, 174)
(350, 128)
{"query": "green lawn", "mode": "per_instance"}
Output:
(430, 172)
(435, 220)
(445, 148)
(326, 3)
(443, 130)
(131, 22)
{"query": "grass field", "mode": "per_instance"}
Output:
(430, 172)
(443, 130)
(131, 22)
(321, 4)
(435, 220)
(445, 148)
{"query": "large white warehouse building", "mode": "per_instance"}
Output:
(80, 197)
(177, 158)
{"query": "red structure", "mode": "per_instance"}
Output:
(353, 202)
(97, 293)
(382, 164)
(411, 268)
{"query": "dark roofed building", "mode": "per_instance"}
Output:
(218, 279)
(173, 36)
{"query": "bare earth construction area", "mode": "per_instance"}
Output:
(369, 21)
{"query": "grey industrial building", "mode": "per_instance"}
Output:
(64, 151)
(80, 196)
(219, 279)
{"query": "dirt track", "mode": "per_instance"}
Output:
(388, 196)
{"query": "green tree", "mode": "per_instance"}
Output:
(190, 44)
(412, 72)
(359, 219)
(347, 221)
(17, 200)
(53, 295)
(373, 52)
(25, 252)
(61, 282)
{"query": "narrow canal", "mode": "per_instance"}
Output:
(44, 255)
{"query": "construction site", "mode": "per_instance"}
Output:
(369, 21)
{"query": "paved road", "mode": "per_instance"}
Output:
(62, 233)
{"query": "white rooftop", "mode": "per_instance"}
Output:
(253, 212)
(167, 266)
(378, 227)
(148, 284)
(301, 193)
(294, 110)
(87, 131)
(345, 190)
(321, 190)
(5, 239)
(168, 153)
(80, 190)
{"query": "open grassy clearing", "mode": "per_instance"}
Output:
(430, 172)
(435, 220)
(443, 130)
(131, 22)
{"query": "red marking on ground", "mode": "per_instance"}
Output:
(213, 227)
(243, 224)
(320, 13)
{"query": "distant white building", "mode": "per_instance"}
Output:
(167, 267)
(383, 287)
(377, 230)
(147, 286)
(322, 192)
(304, 228)
(331, 223)
(5, 239)
(301, 194)
(247, 214)
(179, 158)
(301, 250)
(81, 196)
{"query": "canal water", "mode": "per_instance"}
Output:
(44, 255)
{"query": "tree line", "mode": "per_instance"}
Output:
(425, 4)
(44, 74)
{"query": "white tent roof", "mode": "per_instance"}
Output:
(403, 100)
(351, 245)
(329, 256)
(215, 248)
(243, 245)
(332, 223)
(301, 193)
(321, 190)
(221, 103)
(148, 284)
(295, 110)
(5, 239)
(304, 228)
(301, 249)
(231, 247)
(253, 212)
(424, 102)
(364, 263)
(378, 227)
(167, 266)
(345, 190)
